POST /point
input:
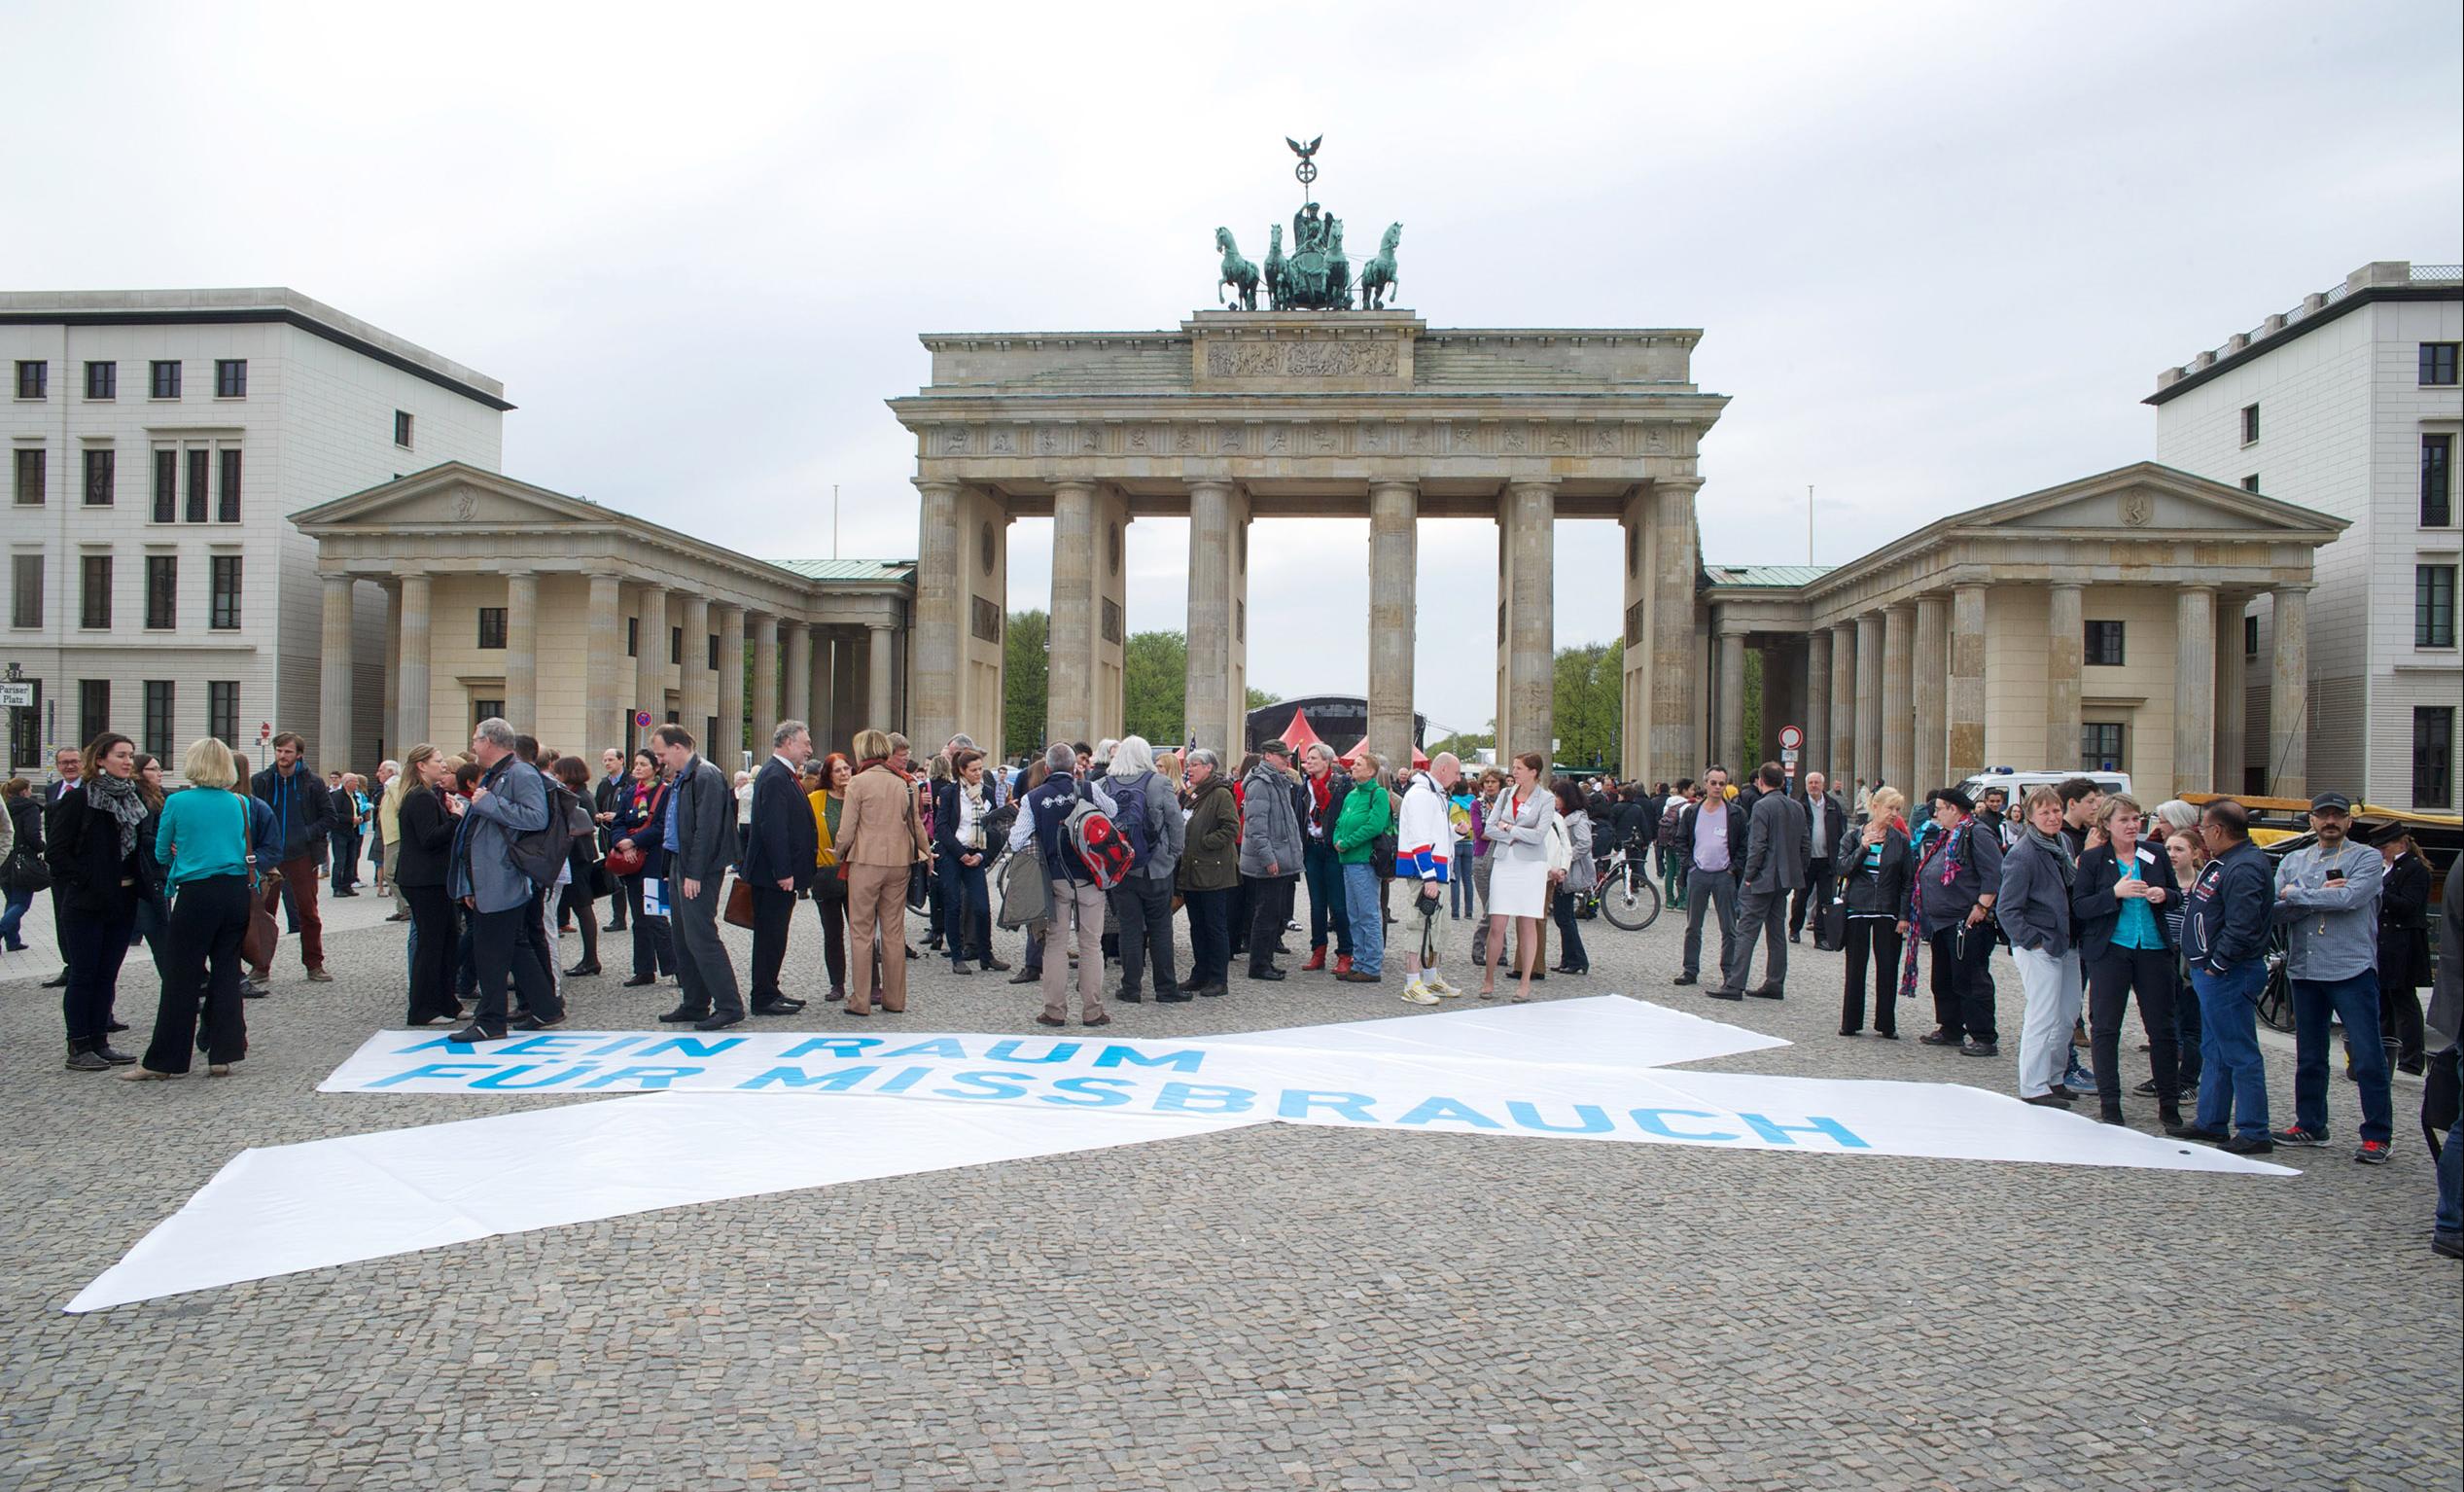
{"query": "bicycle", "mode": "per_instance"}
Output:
(1624, 892)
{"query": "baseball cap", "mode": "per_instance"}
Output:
(2330, 802)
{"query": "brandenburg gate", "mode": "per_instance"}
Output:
(1241, 415)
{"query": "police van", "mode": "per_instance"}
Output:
(2016, 784)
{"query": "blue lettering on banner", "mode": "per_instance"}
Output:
(691, 1046)
(1650, 1120)
(831, 1046)
(1590, 1118)
(646, 1076)
(537, 1046)
(441, 1043)
(994, 1086)
(838, 1081)
(938, 1046)
(1431, 1110)
(1189, 1097)
(429, 1070)
(502, 1077)
(1007, 1051)
(1297, 1102)
(1177, 1061)
(1097, 1097)
(905, 1080)
(616, 1046)
(1777, 1134)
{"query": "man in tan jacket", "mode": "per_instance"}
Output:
(880, 839)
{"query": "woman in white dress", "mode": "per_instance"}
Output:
(1518, 833)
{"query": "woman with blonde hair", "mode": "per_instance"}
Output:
(1518, 832)
(423, 840)
(881, 837)
(1872, 890)
(203, 842)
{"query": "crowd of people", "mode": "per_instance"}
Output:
(1089, 853)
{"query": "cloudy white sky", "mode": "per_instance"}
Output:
(1939, 252)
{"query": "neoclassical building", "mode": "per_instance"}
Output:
(574, 622)
(2098, 623)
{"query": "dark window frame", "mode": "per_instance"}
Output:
(102, 381)
(221, 710)
(485, 709)
(101, 480)
(34, 379)
(2438, 364)
(2250, 635)
(94, 708)
(676, 646)
(2434, 757)
(225, 575)
(166, 485)
(401, 428)
(2096, 733)
(2092, 655)
(2250, 484)
(25, 600)
(162, 592)
(30, 472)
(714, 653)
(230, 377)
(94, 581)
(162, 378)
(227, 484)
(492, 627)
(2433, 606)
(198, 500)
(632, 637)
(161, 713)
(2437, 480)
(2250, 424)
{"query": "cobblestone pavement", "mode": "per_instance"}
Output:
(1275, 1308)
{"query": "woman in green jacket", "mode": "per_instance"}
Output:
(1367, 817)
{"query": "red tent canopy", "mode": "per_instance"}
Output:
(1298, 735)
(1419, 759)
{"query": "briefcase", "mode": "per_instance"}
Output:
(739, 911)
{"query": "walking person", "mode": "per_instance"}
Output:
(2033, 907)
(829, 801)
(202, 841)
(1270, 855)
(1776, 839)
(22, 872)
(509, 800)
(424, 843)
(2327, 901)
(96, 881)
(2124, 889)
(1582, 873)
(304, 813)
(782, 850)
(640, 830)
(1874, 864)
(1712, 837)
(880, 840)
(1150, 819)
(1518, 829)
(1827, 843)
(577, 900)
(1427, 852)
(1950, 898)
(2404, 947)
(1328, 917)
(2225, 940)
(1078, 901)
(1210, 871)
(700, 836)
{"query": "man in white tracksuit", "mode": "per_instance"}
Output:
(1424, 838)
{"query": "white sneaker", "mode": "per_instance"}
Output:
(1418, 993)
(1438, 984)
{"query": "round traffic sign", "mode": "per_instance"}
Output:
(1791, 737)
(641, 719)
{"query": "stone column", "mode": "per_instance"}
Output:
(1207, 692)
(1395, 510)
(412, 703)
(879, 676)
(1069, 640)
(391, 725)
(1675, 656)
(1843, 762)
(2066, 650)
(1526, 703)
(2195, 693)
(765, 676)
(1634, 654)
(1931, 688)
(522, 649)
(2288, 770)
(1899, 705)
(650, 663)
(2233, 747)
(1729, 743)
(1869, 701)
(333, 743)
(796, 700)
(603, 667)
(1818, 747)
(940, 612)
(696, 687)
(1966, 739)
(823, 681)
(732, 721)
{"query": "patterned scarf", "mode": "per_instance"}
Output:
(1945, 847)
(119, 798)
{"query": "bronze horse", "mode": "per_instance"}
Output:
(1238, 272)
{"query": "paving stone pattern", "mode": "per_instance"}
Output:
(1275, 1308)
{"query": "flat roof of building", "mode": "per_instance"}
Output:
(2385, 280)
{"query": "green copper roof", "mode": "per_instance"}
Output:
(850, 569)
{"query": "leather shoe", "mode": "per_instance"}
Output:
(1127, 996)
(113, 1028)
(582, 970)
(2045, 1100)
(641, 979)
(1767, 992)
(1736, 995)
(778, 1008)
(1100, 1020)
(995, 965)
(473, 1034)
(1270, 975)
(683, 1015)
(534, 1023)
(1211, 991)
(56, 981)
(1175, 996)
(838, 992)
(1027, 976)
(1938, 1037)
(1682, 978)
(1047, 1020)
(719, 1021)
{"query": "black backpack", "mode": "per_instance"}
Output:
(541, 853)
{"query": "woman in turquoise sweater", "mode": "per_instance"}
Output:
(203, 842)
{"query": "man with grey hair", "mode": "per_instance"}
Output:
(1150, 818)
(699, 838)
(1269, 853)
(1075, 894)
(1423, 848)
(509, 800)
(781, 845)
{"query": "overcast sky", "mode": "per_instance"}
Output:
(1939, 253)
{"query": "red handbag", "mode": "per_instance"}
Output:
(627, 859)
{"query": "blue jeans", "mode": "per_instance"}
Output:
(1461, 900)
(2232, 1077)
(2355, 1001)
(1367, 919)
(1326, 914)
(2450, 1217)
(18, 902)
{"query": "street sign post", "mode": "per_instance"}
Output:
(17, 696)
(641, 719)
(1790, 738)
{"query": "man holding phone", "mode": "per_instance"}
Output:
(2327, 901)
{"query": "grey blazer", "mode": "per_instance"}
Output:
(1775, 838)
(1520, 838)
(705, 824)
(2033, 904)
(483, 869)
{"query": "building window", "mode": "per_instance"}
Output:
(2438, 363)
(94, 708)
(676, 646)
(2434, 757)
(166, 486)
(230, 377)
(162, 591)
(2101, 745)
(94, 607)
(200, 468)
(102, 381)
(225, 610)
(2250, 636)
(228, 509)
(2250, 484)
(163, 378)
(2104, 644)
(34, 379)
(25, 590)
(2249, 424)
(2437, 480)
(157, 732)
(714, 651)
(491, 627)
(2433, 606)
(485, 709)
(632, 637)
(221, 710)
(102, 474)
(30, 475)
(401, 428)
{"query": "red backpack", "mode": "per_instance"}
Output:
(1104, 852)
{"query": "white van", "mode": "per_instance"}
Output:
(2017, 784)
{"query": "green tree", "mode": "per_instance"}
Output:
(1025, 687)
(1260, 699)
(1590, 680)
(1466, 744)
(1738, 771)
(1155, 684)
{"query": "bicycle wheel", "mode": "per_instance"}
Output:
(1630, 902)
(2276, 1001)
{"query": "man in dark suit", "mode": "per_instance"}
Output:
(780, 847)
(700, 840)
(612, 791)
(69, 764)
(1826, 830)
(1775, 865)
